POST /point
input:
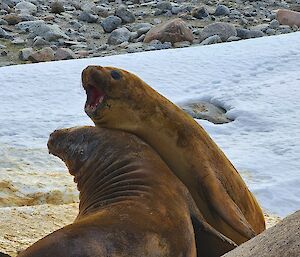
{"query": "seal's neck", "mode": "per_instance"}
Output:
(110, 182)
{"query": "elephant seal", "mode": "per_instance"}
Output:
(131, 204)
(120, 100)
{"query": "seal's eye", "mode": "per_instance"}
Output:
(115, 75)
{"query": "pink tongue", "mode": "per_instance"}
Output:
(93, 96)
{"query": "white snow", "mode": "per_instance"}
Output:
(257, 80)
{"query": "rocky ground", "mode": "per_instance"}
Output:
(39, 30)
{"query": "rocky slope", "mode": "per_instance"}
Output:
(39, 30)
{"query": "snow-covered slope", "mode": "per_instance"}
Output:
(257, 81)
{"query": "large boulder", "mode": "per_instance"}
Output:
(281, 240)
(44, 55)
(287, 17)
(172, 31)
(222, 29)
(26, 7)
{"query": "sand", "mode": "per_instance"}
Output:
(22, 226)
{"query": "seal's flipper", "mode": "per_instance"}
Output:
(225, 207)
(209, 242)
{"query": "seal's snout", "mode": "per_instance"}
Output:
(54, 141)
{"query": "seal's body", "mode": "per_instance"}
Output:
(131, 204)
(120, 100)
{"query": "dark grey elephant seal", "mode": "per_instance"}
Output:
(131, 204)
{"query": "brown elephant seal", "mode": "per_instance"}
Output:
(131, 204)
(120, 100)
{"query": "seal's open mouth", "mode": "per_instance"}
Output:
(95, 98)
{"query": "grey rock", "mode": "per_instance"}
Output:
(280, 240)
(39, 41)
(44, 55)
(10, 3)
(18, 41)
(64, 54)
(157, 45)
(26, 7)
(246, 33)
(3, 22)
(110, 23)
(200, 13)
(231, 39)
(57, 7)
(206, 111)
(141, 28)
(125, 15)
(25, 53)
(222, 10)
(29, 25)
(211, 40)
(270, 32)
(102, 11)
(119, 36)
(88, 7)
(88, 17)
(164, 6)
(262, 27)
(2, 46)
(40, 28)
(274, 24)
(4, 34)
(223, 30)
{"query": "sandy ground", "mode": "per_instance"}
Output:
(22, 226)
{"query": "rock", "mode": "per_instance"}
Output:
(274, 24)
(25, 53)
(102, 11)
(57, 7)
(200, 13)
(164, 6)
(110, 23)
(172, 31)
(40, 28)
(262, 27)
(211, 40)
(222, 10)
(287, 17)
(295, 7)
(125, 15)
(44, 55)
(141, 28)
(157, 45)
(280, 240)
(39, 41)
(12, 19)
(88, 17)
(4, 34)
(246, 33)
(119, 36)
(230, 39)
(223, 30)
(270, 32)
(3, 22)
(26, 7)
(64, 54)
(18, 41)
(206, 111)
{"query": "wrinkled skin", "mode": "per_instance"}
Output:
(120, 100)
(131, 204)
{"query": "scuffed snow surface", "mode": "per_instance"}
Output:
(257, 80)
